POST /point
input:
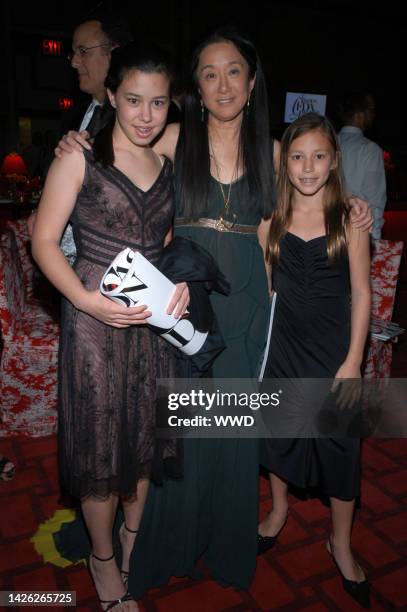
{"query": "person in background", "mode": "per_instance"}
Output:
(93, 40)
(362, 159)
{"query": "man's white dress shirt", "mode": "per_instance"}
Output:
(363, 167)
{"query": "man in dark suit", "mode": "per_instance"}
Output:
(93, 40)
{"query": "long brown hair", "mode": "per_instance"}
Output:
(336, 208)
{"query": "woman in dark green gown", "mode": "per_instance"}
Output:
(212, 512)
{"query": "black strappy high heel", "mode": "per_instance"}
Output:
(111, 603)
(125, 574)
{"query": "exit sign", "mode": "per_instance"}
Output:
(65, 103)
(51, 47)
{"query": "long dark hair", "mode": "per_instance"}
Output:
(145, 57)
(192, 162)
(336, 208)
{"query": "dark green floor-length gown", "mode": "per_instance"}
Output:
(212, 512)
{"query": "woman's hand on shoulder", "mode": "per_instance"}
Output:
(73, 141)
(107, 311)
(360, 214)
(358, 236)
(167, 141)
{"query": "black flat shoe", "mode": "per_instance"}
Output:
(264, 543)
(359, 591)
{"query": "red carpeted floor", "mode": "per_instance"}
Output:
(296, 575)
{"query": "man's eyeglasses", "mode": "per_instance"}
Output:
(82, 51)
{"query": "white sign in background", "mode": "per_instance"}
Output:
(297, 104)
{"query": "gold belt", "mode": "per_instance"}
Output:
(216, 224)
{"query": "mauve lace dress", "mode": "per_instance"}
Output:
(107, 376)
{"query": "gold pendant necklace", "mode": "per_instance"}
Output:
(223, 224)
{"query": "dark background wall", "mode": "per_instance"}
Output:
(314, 46)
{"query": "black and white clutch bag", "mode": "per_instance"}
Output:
(131, 280)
